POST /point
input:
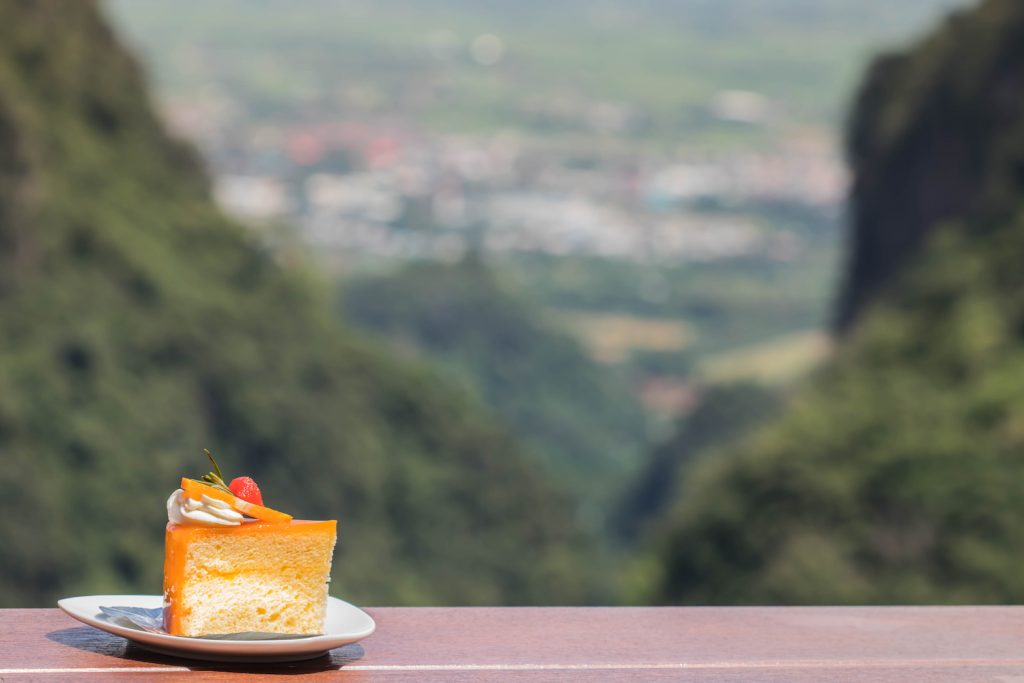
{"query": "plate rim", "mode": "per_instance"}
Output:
(313, 644)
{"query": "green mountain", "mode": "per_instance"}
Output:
(896, 476)
(137, 326)
(581, 421)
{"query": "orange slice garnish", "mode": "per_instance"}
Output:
(197, 489)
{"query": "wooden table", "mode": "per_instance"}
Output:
(579, 644)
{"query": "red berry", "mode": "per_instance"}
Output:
(246, 489)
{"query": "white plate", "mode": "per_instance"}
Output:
(345, 624)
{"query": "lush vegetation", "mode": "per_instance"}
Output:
(580, 419)
(896, 476)
(725, 414)
(137, 326)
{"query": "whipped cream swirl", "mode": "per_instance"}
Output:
(205, 512)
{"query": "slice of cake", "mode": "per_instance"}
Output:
(225, 574)
(257, 576)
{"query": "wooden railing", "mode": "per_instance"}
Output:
(585, 644)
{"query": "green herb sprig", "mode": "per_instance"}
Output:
(215, 478)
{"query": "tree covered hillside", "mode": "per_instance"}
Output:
(896, 476)
(583, 426)
(137, 326)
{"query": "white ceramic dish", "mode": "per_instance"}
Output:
(345, 624)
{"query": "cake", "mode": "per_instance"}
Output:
(224, 573)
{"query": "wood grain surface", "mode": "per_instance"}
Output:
(578, 644)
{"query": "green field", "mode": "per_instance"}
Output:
(662, 59)
(612, 337)
(774, 361)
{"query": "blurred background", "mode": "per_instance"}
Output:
(587, 302)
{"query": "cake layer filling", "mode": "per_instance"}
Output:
(254, 602)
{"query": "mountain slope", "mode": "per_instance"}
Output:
(139, 326)
(582, 426)
(896, 476)
(724, 415)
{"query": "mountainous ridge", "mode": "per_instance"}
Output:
(894, 476)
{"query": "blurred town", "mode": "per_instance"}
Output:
(360, 188)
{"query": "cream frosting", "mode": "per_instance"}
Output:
(204, 512)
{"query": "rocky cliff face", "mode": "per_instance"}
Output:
(138, 326)
(896, 475)
(936, 136)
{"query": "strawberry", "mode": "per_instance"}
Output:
(246, 489)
